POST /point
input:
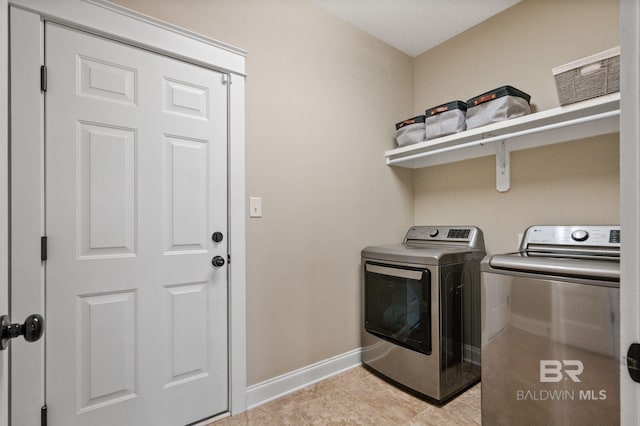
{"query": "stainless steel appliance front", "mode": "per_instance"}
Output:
(550, 329)
(421, 311)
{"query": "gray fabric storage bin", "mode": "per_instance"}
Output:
(410, 131)
(445, 119)
(590, 77)
(500, 104)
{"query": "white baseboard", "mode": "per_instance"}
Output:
(276, 387)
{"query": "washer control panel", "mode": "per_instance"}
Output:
(598, 236)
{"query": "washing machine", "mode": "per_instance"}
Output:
(421, 310)
(551, 329)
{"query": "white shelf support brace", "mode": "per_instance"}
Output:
(503, 167)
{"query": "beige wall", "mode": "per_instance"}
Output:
(574, 182)
(322, 98)
(321, 101)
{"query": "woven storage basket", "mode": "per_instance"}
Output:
(590, 77)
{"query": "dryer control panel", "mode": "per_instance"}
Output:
(467, 236)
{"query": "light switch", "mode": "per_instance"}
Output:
(255, 207)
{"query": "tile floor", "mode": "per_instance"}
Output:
(357, 397)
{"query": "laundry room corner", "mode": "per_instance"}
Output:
(571, 182)
(222, 212)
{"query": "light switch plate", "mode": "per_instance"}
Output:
(255, 207)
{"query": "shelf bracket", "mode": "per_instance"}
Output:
(503, 167)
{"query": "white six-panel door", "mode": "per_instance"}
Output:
(136, 183)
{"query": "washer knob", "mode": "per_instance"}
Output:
(579, 235)
(434, 233)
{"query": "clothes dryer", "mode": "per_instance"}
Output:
(421, 316)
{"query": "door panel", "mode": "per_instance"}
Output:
(186, 341)
(107, 198)
(106, 363)
(186, 194)
(136, 183)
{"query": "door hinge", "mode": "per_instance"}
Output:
(43, 78)
(228, 259)
(43, 248)
(43, 415)
(226, 79)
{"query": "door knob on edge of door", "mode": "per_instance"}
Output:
(32, 329)
(218, 261)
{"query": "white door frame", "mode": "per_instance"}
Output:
(4, 223)
(116, 22)
(629, 203)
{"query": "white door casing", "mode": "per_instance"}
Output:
(26, 215)
(28, 160)
(629, 204)
(136, 152)
(4, 186)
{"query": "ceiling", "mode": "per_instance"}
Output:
(414, 26)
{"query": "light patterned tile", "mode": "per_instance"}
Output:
(294, 409)
(466, 412)
(358, 372)
(239, 420)
(341, 408)
(351, 381)
(357, 397)
(471, 398)
(394, 403)
(436, 417)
